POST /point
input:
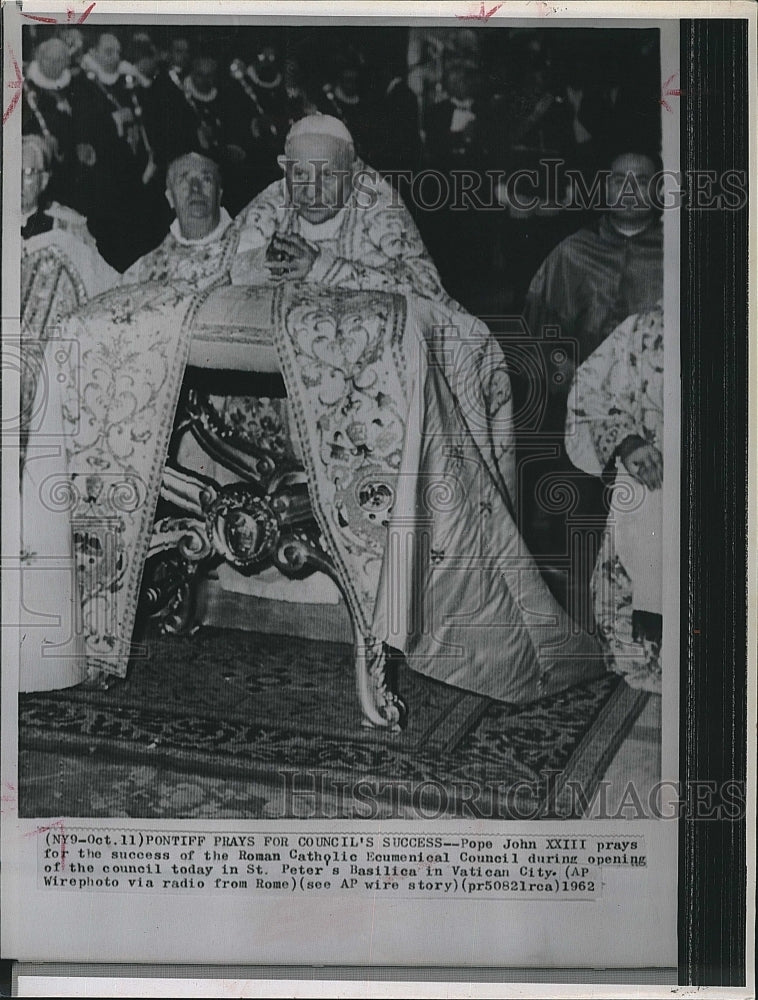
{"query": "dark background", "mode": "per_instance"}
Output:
(714, 339)
(486, 259)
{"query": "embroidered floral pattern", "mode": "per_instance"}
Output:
(341, 351)
(619, 392)
(637, 660)
(119, 399)
(51, 288)
(258, 421)
(178, 262)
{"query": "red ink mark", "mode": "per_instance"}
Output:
(483, 15)
(16, 85)
(58, 824)
(71, 17)
(669, 93)
(8, 798)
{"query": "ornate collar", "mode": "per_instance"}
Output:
(264, 83)
(224, 222)
(92, 67)
(343, 98)
(608, 229)
(196, 95)
(317, 232)
(174, 77)
(38, 78)
(129, 69)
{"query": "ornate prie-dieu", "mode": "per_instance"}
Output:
(401, 419)
(265, 519)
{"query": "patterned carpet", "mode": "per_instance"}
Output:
(232, 724)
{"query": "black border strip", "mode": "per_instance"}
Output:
(714, 330)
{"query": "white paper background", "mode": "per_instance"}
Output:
(634, 924)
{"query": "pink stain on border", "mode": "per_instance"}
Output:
(670, 92)
(9, 796)
(83, 17)
(71, 17)
(483, 15)
(16, 85)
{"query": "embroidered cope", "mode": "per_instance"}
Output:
(402, 414)
(618, 392)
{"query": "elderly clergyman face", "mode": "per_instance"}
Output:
(629, 187)
(108, 53)
(193, 190)
(319, 174)
(34, 177)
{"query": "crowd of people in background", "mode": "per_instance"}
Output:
(106, 112)
(115, 107)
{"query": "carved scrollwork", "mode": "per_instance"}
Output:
(242, 526)
(253, 444)
(299, 553)
(382, 707)
(265, 519)
(178, 547)
(185, 534)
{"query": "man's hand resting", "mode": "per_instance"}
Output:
(299, 256)
(643, 461)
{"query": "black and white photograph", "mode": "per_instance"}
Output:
(347, 463)
(359, 378)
